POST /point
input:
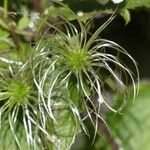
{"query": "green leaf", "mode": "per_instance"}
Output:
(126, 15)
(131, 128)
(56, 11)
(131, 4)
(4, 33)
(7, 140)
(76, 97)
(6, 43)
(23, 23)
(61, 11)
(64, 129)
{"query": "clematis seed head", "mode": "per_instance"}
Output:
(19, 91)
(77, 60)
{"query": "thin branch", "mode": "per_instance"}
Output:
(103, 127)
(36, 5)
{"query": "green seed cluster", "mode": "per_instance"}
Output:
(77, 60)
(19, 91)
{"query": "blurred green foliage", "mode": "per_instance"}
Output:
(22, 28)
(131, 127)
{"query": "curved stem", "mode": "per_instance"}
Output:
(5, 8)
(103, 127)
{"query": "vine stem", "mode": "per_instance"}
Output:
(5, 8)
(107, 134)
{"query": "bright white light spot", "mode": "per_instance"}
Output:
(117, 1)
(80, 13)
